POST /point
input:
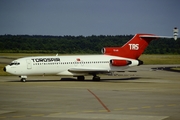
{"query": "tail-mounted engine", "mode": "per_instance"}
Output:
(110, 50)
(115, 62)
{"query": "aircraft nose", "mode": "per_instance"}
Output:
(4, 69)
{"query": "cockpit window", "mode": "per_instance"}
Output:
(14, 63)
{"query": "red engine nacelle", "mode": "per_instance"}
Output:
(120, 62)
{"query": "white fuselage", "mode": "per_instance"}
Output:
(62, 65)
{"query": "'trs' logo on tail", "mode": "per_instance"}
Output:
(134, 46)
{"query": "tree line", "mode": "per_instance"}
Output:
(78, 44)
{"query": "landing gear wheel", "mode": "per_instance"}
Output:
(80, 78)
(23, 79)
(96, 78)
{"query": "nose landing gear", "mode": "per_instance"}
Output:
(23, 78)
(96, 78)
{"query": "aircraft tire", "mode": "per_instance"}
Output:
(81, 78)
(23, 80)
(96, 78)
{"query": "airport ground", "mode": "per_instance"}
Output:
(148, 94)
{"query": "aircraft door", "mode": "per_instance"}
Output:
(29, 65)
(76, 63)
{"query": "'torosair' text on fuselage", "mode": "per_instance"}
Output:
(46, 60)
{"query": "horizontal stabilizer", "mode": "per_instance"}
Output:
(155, 36)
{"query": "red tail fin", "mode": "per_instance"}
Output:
(133, 48)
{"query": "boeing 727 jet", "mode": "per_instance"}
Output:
(113, 59)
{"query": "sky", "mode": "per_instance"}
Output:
(88, 17)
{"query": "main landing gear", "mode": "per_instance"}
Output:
(80, 78)
(95, 78)
(23, 78)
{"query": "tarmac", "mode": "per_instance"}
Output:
(145, 94)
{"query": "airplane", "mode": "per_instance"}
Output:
(113, 59)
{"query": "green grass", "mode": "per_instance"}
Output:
(160, 59)
(178, 69)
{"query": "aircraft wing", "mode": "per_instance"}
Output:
(88, 70)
